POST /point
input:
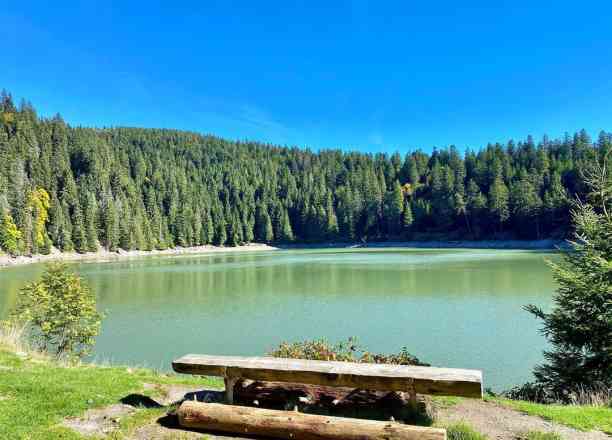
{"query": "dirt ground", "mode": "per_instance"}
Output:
(495, 421)
(500, 423)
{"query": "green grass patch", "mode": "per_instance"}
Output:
(463, 431)
(36, 394)
(538, 435)
(581, 417)
(445, 401)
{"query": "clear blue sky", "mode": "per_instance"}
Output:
(355, 75)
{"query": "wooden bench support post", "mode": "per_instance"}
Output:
(412, 398)
(229, 388)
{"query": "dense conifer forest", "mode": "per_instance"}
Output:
(79, 188)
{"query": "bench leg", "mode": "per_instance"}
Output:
(229, 389)
(412, 399)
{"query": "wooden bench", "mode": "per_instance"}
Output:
(379, 377)
(292, 425)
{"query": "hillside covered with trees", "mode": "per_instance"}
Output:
(80, 188)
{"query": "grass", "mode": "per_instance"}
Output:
(538, 435)
(36, 394)
(462, 431)
(581, 417)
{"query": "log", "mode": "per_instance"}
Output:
(294, 425)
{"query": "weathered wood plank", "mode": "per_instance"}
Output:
(381, 377)
(293, 425)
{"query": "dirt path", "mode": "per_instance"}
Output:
(495, 421)
(500, 423)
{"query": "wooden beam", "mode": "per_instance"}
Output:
(380, 377)
(292, 425)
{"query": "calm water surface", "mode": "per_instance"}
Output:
(454, 308)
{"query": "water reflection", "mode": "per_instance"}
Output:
(457, 308)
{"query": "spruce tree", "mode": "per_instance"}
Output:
(91, 229)
(407, 218)
(579, 326)
(286, 230)
(498, 202)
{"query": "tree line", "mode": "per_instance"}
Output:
(78, 188)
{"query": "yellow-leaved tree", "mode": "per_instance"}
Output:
(39, 203)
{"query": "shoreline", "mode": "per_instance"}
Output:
(104, 255)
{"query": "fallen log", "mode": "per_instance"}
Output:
(293, 425)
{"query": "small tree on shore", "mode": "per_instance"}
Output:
(579, 327)
(59, 312)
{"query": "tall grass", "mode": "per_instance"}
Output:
(14, 337)
(599, 395)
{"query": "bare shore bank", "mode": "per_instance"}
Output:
(104, 255)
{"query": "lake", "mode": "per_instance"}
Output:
(450, 307)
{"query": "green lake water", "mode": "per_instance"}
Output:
(453, 308)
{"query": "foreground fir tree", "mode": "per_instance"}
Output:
(579, 327)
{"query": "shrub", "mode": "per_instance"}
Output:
(348, 351)
(59, 312)
(532, 392)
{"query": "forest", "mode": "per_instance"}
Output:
(78, 188)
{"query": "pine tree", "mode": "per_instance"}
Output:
(498, 201)
(407, 218)
(220, 236)
(79, 237)
(110, 225)
(263, 225)
(526, 206)
(579, 327)
(286, 230)
(394, 207)
(331, 220)
(91, 229)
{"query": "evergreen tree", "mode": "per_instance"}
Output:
(394, 207)
(79, 236)
(91, 229)
(498, 201)
(110, 225)
(579, 327)
(407, 218)
(286, 231)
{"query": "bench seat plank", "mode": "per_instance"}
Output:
(380, 377)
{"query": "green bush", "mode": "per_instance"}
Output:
(348, 351)
(60, 313)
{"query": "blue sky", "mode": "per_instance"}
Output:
(376, 76)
